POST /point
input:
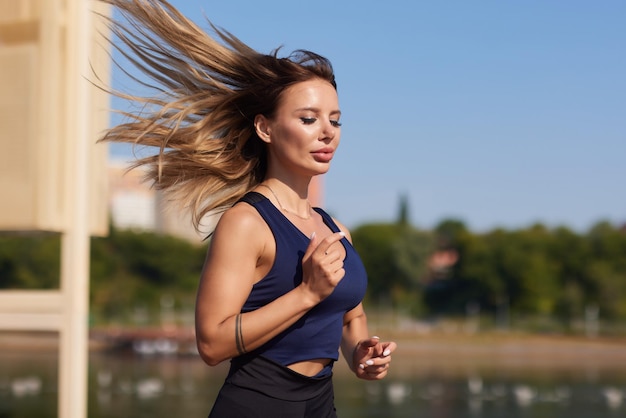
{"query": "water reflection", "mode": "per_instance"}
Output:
(614, 397)
(170, 386)
(26, 386)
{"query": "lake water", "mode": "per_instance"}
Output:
(160, 387)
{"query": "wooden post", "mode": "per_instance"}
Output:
(51, 166)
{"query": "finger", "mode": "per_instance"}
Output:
(327, 242)
(369, 342)
(384, 349)
(366, 345)
(373, 374)
(337, 268)
(364, 351)
(377, 369)
(377, 376)
(388, 348)
(363, 348)
(313, 243)
(376, 363)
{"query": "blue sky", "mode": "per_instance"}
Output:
(496, 113)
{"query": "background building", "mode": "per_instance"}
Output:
(134, 204)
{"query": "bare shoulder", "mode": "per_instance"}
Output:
(242, 222)
(238, 243)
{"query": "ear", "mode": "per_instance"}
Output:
(262, 127)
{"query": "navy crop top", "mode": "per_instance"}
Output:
(318, 333)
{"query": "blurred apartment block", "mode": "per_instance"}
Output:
(134, 204)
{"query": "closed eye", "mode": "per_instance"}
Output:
(310, 121)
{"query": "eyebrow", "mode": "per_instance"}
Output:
(316, 110)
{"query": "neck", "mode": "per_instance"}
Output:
(288, 200)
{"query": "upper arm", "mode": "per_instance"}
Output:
(231, 265)
(354, 330)
(354, 314)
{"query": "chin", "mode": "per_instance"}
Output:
(317, 169)
(322, 171)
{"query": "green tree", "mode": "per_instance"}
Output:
(571, 254)
(403, 213)
(607, 271)
(131, 269)
(449, 293)
(375, 245)
(30, 261)
(396, 259)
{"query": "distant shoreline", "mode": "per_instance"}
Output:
(423, 350)
(509, 351)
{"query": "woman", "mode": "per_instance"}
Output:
(242, 134)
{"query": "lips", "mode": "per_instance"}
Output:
(323, 155)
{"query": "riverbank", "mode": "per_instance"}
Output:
(422, 354)
(487, 349)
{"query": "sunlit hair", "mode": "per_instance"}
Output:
(207, 92)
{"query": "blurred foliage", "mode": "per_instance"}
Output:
(130, 271)
(529, 273)
(396, 259)
(535, 272)
(135, 271)
(30, 261)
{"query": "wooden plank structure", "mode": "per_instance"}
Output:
(52, 174)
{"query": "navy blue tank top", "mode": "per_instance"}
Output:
(318, 333)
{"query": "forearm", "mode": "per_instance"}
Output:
(368, 357)
(241, 333)
(354, 330)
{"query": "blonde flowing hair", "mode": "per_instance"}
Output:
(208, 92)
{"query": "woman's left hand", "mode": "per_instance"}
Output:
(372, 357)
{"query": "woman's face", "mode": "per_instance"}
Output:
(304, 132)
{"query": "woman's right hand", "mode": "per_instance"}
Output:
(322, 266)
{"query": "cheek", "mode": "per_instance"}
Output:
(295, 134)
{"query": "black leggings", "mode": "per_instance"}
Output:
(259, 388)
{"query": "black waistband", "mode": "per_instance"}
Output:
(272, 379)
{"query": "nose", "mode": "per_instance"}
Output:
(329, 131)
